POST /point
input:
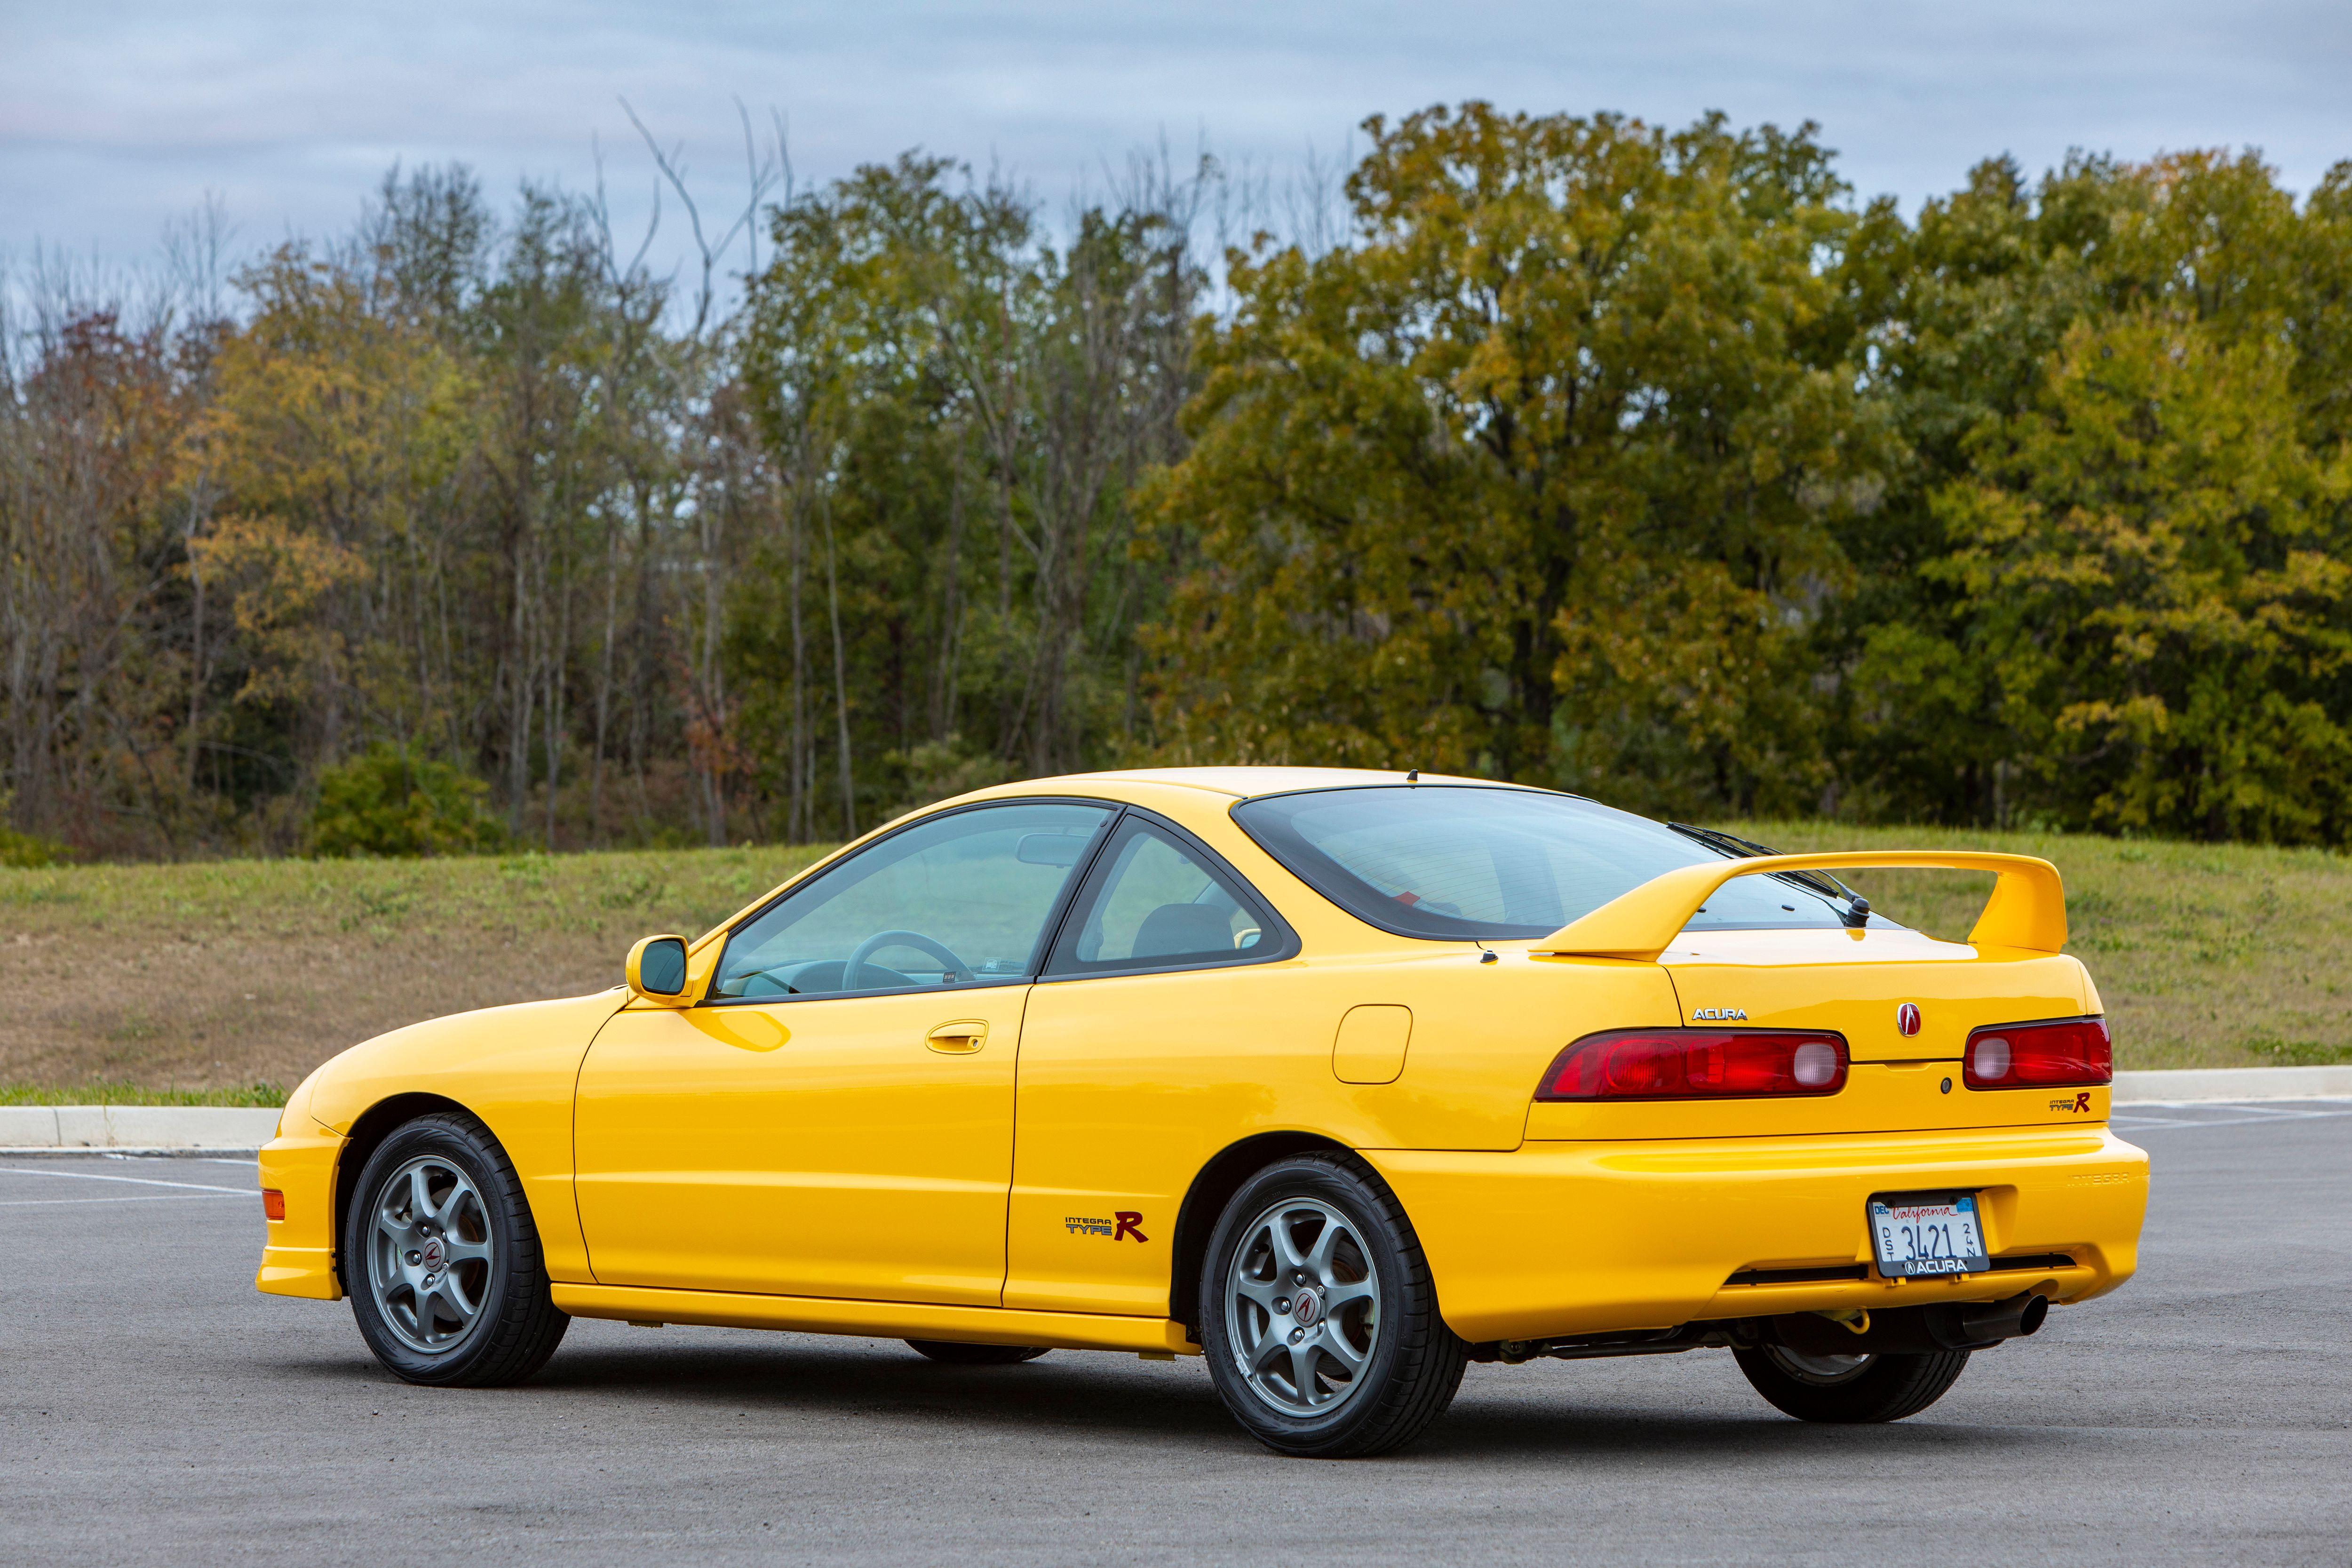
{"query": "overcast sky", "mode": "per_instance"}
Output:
(115, 115)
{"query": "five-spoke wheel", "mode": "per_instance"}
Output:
(429, 1255)
(442, 1261)
(1302, 1307)
(1318, 1318)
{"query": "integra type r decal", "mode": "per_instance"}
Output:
(1118, 1227)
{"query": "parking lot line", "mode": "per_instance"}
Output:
(138, 1181)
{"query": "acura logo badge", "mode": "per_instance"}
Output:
(1906, 1018)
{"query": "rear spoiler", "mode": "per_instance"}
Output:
(2027, 910)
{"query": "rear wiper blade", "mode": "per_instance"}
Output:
(1828, 887)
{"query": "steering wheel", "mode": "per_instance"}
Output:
(956, 969)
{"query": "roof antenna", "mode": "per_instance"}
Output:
(1413, 776)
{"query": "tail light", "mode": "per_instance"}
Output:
(273, 1204)
(2067, 1052)
(1696, 1064)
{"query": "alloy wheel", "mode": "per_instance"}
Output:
(429, 1254)
(1820, 1370)
(1302, 1308)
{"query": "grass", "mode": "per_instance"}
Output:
(209, 979)
(225, 983)
(259, 1096)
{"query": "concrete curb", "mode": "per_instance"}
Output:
(25, 1128)
(2232, 1083)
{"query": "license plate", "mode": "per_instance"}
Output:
(1928, 1233)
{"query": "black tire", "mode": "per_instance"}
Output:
(1409, 1363)
(421, 1334)
(1875, 1388)
(955, 1355)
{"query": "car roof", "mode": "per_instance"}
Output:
(1248, 783)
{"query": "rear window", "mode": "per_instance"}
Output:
(1460, 861)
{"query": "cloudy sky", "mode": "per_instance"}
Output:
(116, 115)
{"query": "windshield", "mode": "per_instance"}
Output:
(1462, 862)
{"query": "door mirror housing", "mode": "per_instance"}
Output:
(656, 970)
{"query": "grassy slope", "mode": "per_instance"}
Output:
(201, 982)
(220, 976)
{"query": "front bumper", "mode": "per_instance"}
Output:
(1594, 1237)
(298, 1259)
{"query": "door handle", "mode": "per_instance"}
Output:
(958, 1038)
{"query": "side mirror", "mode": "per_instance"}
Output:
(656, 970)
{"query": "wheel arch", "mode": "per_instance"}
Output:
(369, 1128)
(1204, 1201)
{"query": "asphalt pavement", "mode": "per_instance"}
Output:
(155, 1408)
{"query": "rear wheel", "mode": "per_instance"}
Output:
(443, 1262)
(1318, 1318)
(1851, 1388)
(955, 1355)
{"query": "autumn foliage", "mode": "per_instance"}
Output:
(1647, 463)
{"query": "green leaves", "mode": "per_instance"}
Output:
(1550, 452)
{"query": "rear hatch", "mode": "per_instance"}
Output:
(1855, 983)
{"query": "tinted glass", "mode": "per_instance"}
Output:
(1457, 861)
(961, 900)
(1156, 903)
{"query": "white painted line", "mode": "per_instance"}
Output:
(138, 1181)
(141, 1198)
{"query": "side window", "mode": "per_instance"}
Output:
(961, 900)
(1154, 903)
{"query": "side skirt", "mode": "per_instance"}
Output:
(877, 1319)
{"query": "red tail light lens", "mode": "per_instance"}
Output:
(1696, 1064)
(2068, 1051)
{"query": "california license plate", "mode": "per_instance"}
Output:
(1928, 1233)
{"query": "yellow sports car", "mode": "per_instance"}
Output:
(1340, 1079)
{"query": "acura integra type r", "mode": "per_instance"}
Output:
(1338, 1079)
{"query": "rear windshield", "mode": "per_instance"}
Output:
(1458, 861)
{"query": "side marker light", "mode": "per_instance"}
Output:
(273, 1204)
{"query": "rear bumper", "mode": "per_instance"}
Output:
(298, 1259)
(1574, 1238)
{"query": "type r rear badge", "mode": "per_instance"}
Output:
(1718, 1015)
(1906, 1018)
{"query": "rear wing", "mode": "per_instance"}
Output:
(2027, 910)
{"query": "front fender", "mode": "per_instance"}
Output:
(514, 1067)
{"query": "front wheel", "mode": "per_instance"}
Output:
(1851, 1388)
(443, 1262)
(1318, 1318)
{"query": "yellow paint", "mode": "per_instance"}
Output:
(2027, 910)
(892, 1320)
(1371, 1044)
(850, 1159)
(1585, 1237)
(1007, 1164)
(299, 1258)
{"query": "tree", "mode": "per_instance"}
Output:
(1535, 479)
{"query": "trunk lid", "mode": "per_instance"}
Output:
(1854, 983)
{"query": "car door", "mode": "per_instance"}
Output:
(835, 1119)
